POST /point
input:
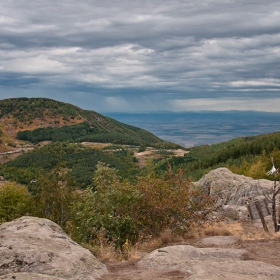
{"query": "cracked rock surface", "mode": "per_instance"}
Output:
(35, 248)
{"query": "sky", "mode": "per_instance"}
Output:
(141, 56)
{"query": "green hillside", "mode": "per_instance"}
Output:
(79, 162)
(240, 155)
(40, 119)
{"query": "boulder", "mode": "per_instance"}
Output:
(236, 212)
(233, 189)
(35, 248)
(208, 263)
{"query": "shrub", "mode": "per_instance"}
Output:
(106, 214)
(172, 203)
(118, 213)
(15, 201)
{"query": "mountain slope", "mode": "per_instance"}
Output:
(39, 119)
(237, 154)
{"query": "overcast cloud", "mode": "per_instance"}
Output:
(140, 56)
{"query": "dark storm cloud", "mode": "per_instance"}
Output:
(142, 55)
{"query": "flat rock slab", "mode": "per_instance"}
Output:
(220, 240)
(34, 248)
(208, 263)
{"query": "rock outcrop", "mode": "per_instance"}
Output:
(34, 248)
(233, 189)
(208, 263)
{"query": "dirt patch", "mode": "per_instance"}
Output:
(5, 157)
(266, 251)
(180, 152)
(144, 156)
(12, 154)
(95, 145)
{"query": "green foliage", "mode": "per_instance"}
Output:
(35, 159)
(73, 133)
(86, 132)
(107, 213)
(22, 175)
(172, 203)
(27, 109)
(53, 197)
(120, 213)
(104, 177)
(80, 162)
(258, 166)
(141, 149)
(234, 154)
(15, 201)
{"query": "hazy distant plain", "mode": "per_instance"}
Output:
(198, 128)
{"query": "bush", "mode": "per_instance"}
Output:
(172, 203)
(15, 201)
(106, 214)
(141, 149)
(118, 213)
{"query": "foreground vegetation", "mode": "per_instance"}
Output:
(109, 211)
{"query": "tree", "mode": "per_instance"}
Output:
(54, 196)
(104, 177)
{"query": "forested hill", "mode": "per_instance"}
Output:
(250, 156)
(39, 119)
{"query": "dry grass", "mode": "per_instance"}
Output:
(107, 252)
(168, 237)
(217, 229)
(245, 231)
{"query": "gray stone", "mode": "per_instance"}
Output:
(34, 248)
(208, 263)
(220, 240)
(233, 189)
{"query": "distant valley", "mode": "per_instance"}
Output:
(198, 128)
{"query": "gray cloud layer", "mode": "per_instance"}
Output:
(143, 55)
